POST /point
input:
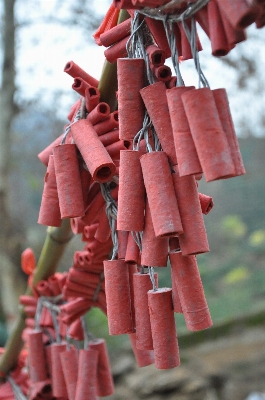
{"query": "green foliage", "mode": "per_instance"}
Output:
(233, 227)
(236, 275)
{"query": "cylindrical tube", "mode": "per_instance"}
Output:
(158, 32)
(206, 203)
(86, 387)
(69, 361)
(219, 42)
(49, 213)
(105, 385)
(163, 328)
(222, 105)
(92, 96)
(116, 33)
(239, 12)
(108, 124)
(142, 284)
(194, 305)
(58, 381)
(210, 140)
(100, 112)
(132, 251)
(131, 78)
(131, 192)
(75, 71)
(68, 181)
(80, 86)
(143, 357)
(155, 100)
(188, 161)
(117, 50)
(97, 159)
(37, 360)
(161, 195)
(154, 249)
(194, 239)
(118, 297)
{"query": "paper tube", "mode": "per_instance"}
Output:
(68, 181)
(163, 328)
(131, 78)
(97, 159)
(194, 305)
(118, 297)
(131, 192)
(161, 195)
(188, 161)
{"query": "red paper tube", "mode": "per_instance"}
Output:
(116, 33)
(75, 71)
(58, 381)
(86, 179)
(194, 239)
(239, 12)
(39, 390)
(156, 55)
(30, 311)
(110, 137)
(84, 278)
(142, 284)
(194, 305)
(77, 225)
(49, 213)
(118, 297)
(163, 328)
(108, 124)
(122, 243)
(100, 112)
(175, 296)
(68, 181)
(43, 289)
(92, 96)
(206, 203)
(69, 319)
(75, 306)
(83, 256)
(132, 268)
(90, 230)
(186, 52)
(37, 360)
(97, 248)
(219, 42)
(69, 361)
(210, 140)
(28, 261)
(93, 191)
(30, 323)
(105, 385)
(76, 330)
(143, 357)
(172, 82)
(62, 278)
(118, 50)
(84, 291)
(201, 17)
(188, 161)
(93, 152)
(260, 20)
(131, 192)
(158, 32)
(131, 78)
(46, 318)
(124, 4)
(53, 283)
(163, 73)
(155, 100)
(154, 249)
(233, 35)
(86, 387)
(80, 86)
(222, 105)
(132, 251)
(48, 356)
(27, 300)
(47, 152)
(75, 107)
(115, 148)
(160, 193)
(103, 231)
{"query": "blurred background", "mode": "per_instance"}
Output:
(37, 39)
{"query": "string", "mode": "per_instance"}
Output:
(18, 394)
(171, 38)
(111, 211)
(81, 114)
(87, 335)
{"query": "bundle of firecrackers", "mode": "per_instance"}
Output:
(128, 181)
